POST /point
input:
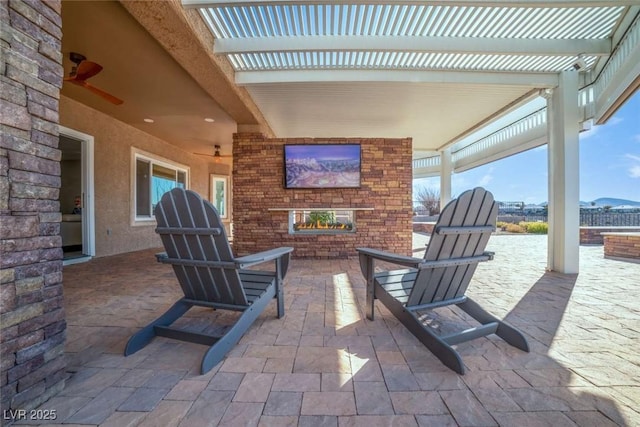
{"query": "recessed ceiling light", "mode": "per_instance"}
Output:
(209, 120)
(148, 120)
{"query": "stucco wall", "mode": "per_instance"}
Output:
(113, 141)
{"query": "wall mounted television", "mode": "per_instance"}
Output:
(322, 165)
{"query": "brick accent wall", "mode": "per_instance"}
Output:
(622, 245)
(424, 227)
(31, 303)
(386, 186)
(593, 235)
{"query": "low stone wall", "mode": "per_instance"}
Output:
(588, 235)
(593, 235)
(622, 245)
(423, 227)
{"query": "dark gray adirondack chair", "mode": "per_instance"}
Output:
(441, 278)
(210, 276)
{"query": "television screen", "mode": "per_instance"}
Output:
(322, 166)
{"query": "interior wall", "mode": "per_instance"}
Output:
(386, 186)
(113, 142)
(71, 177)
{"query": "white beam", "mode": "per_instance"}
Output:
(625, 23)
(457, 3)
(534, 80)
(564, 176)
(518, 145)
(620, 77)
(495, 116)
(470, 45)
(446, 169)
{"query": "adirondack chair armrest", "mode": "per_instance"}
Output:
(452, 262)
(391, 257)
(260, 257)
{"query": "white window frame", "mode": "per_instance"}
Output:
(137, 154)
(88, 193)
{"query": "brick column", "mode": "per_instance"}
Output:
(31, 304)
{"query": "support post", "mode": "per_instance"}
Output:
(446, 169)
(564, 175)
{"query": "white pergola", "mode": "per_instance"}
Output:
(440, 72)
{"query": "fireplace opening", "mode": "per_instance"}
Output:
(321, 221)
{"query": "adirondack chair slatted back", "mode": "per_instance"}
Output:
(191, 230)
(453, 237)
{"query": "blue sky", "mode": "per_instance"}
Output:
(609, 165)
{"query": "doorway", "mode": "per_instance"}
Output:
(76, 196)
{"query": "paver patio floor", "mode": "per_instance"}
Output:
(324, 364)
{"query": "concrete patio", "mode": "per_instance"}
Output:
(324, 364)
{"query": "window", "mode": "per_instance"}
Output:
(219, 192)
(153, 178)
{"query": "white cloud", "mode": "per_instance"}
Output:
(485, 180)
(595, 129)
(615, 120)
(634, 170)
(591, 132)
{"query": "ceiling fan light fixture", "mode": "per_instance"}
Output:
(76, 58)
(217, 156)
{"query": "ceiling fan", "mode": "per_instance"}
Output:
(216, 154)
(82, 71)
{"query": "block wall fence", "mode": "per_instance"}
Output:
(593, 235)
(32, 317)
(386, 186)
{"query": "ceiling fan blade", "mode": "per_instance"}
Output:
(112, 99)
(87, 69)
(213, 155)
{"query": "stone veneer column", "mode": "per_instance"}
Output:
(32, 317)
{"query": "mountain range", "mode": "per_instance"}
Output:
(604, 201)
(610, 201)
